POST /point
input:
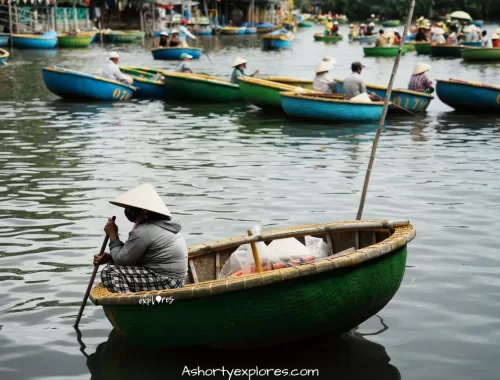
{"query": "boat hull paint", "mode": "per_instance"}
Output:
(364, 39)
(391, 23)
(468, 97)
(74, 41)
(4, 40)
(175, 53)
(322, 37)
(199, 89)
(34, 42)
(423, 47)
(446, 51)
(340, 111)
(390, 51)
(481, 54)
(269, 43)
(73, 85)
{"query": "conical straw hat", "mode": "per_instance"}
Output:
(239, 61)
(144, 197)
(323, 66)
(420, 68)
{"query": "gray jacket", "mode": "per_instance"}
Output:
(156, 245)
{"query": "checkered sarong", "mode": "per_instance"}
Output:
(126, 279)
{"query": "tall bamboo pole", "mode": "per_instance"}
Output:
(10, 26)
(55, 16)
(384, 112)
(75, 17)
(16, 14)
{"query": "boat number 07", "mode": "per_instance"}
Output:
(419, 104)
(120, 94)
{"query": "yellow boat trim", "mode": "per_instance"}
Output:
(470, 83)
(288, 80)
(384, 88)
(66, 71)
(271, 84)
(201, 78)
(4, 53)
(326, 99)
(33, 36)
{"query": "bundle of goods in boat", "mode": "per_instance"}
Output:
(279, 254)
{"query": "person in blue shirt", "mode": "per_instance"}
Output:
(240, 65)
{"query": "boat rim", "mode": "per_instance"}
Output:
(142, 80)
(85, 75)
(384, 88)
(202, 78)
(404, 233)
(313, 96)
(477, 49)
(176, 48)
(469, 83)
(286, 79)
(33, 36)
(271, 84)
(4, 53)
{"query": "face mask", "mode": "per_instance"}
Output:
(132, 213)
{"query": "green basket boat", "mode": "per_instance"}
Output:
(423, 47)
(447, 50)
(137, 33)
(264, 93)
(65, 40)
(295, 82)
(410, 46)
(119, 37)
(391, 23)
(201, 88)
(386, 51)
(306, 24)
(322, 37)
(480, 54)
(334, 294)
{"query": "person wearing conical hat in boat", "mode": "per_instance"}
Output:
(324, 82)
(420, 20)
(421, 35)
(155, 255)
(419, 82)
(173, 39)
(112, 71)
(163, 41)
(370, 29)
(185, 65)
(239, 66)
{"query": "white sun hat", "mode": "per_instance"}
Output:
(144, 197)
(174, 31)
(113, 54)
(420, 68)
(371, 24)
(323, 66)
(362, 25)
(336, 23)
(495, 36)
(239, 61)
(372, 15)
(163, 33)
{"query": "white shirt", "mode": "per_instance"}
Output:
(486, 42)
(111, 71)
(324, 83)
(183, 32)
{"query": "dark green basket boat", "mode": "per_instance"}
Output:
(335, 294)
(74, 41)
(453, 51)
(386, 51)
(481, 54)
(423, 47)
(322, 37)
(391, 23)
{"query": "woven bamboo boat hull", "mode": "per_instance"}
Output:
(391, 23)
(175, 53)
(4, 40)
(416, 102)
(481, 54)
(446, 51)
(410, 46)
(322, 37)
(28, 41)
(469, 96)
(389, 51)
(146, 86)
(423, 47)
(4, 56)
(119, 37)
(331, 295)
(65, 41)
(295, 82)
(263, 93)
(276, 41)
(201, 88)
(73, 85)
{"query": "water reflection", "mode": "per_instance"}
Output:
(349, 356)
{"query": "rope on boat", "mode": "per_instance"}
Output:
(384, 112)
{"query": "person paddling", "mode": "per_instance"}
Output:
(155, 255)
(240, 65)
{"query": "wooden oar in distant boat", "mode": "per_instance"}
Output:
(92, 278)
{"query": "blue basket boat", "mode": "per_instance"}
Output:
(365, 39)
(277, 40)
(416, 102)
(205, 31)
(478, 23)
(251, 30)
(74, 85)
(468, 96)
(330, 108)
(146, 83)
(4, 55)
(175, 53)
(31, 41)
(4, 39)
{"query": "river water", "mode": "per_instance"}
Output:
(224, 168)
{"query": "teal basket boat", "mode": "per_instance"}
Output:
(334, 294)
(391, 23)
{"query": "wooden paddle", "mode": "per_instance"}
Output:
(92, 278)
(395, 105)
